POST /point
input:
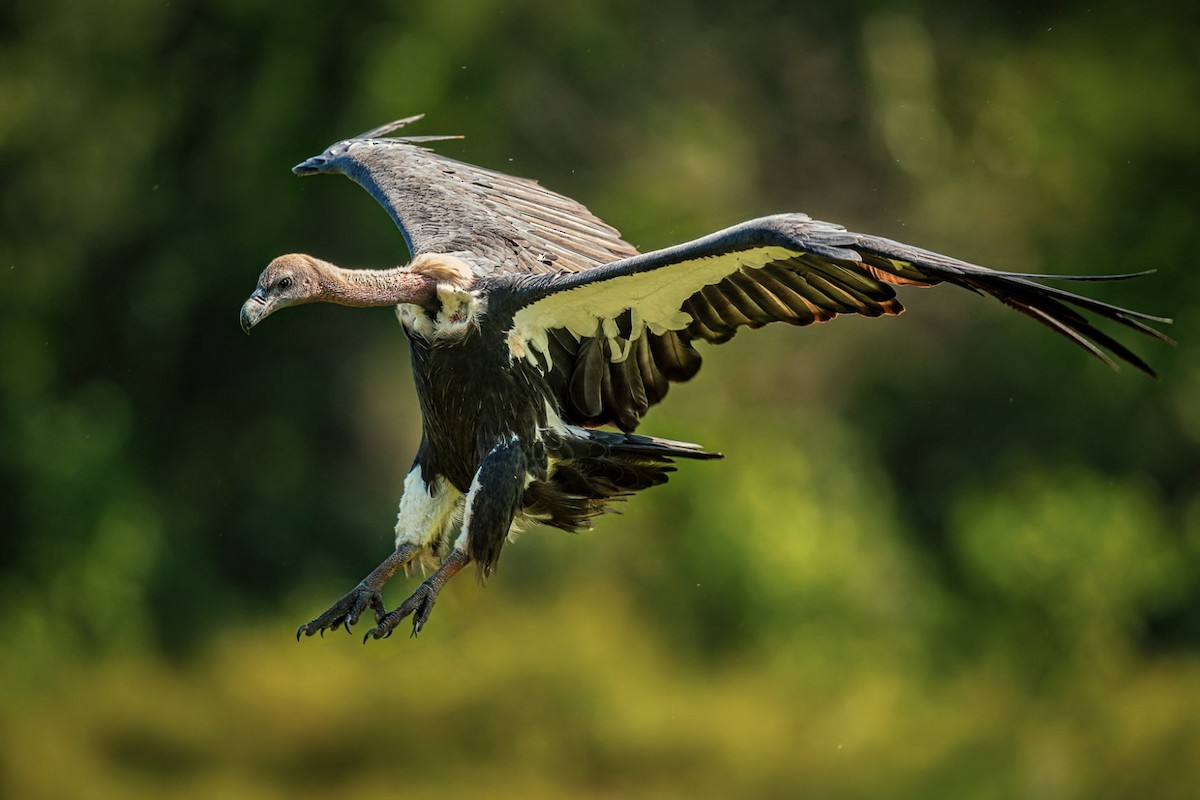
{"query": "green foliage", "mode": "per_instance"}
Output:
(1085, 550)
(947, 556)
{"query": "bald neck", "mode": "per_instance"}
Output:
(299, 278)
(374, 287)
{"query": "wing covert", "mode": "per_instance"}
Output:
(496, 223)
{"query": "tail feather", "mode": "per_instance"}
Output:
(648, 446)
(592, 468)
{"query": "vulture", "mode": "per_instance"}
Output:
(539, 338)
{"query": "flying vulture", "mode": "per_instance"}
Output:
(540, 338)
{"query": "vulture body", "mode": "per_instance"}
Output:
(533, 325)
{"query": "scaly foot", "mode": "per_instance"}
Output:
(347, 610)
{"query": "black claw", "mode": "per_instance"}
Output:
(375, 633)
(418, 605)
(345, 613)
(348, 610)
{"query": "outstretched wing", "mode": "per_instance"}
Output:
(494, 222)
(584, 328)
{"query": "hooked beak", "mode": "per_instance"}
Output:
(254, 310)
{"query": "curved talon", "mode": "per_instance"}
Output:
(344, 613)
(387, 624)
(419, 604)
(375, 633)
(347, 611)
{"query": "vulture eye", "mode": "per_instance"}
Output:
(284, 284)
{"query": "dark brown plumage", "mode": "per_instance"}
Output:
(531, 323)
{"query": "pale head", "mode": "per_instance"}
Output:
(287, 281)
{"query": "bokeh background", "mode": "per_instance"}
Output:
(948, 555)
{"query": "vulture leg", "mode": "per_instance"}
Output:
(420, 603)
(346, 611)
(494, 498)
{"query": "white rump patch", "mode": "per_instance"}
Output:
(426, 512)
(653, 298)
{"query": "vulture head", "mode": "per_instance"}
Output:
(287, 281)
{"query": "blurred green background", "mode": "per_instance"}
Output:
(948, 556)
